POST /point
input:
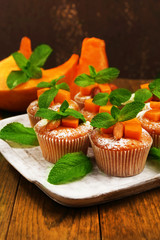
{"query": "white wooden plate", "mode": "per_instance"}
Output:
(95, 188)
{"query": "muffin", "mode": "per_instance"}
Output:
(150, 120)
(57, 138)
(123, 157)
(55, 105)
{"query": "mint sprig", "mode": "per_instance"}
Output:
(70, 167)
(63, 112)
(155, 87)
(104, 76)
(142, 95)
(129, 111)
(29, 68)
(116, 97)
(17, 132)
(48, 96)
(154, 153)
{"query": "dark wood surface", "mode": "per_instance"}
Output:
(27, 213)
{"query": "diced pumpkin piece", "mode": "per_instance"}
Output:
(106, 108)
(40, 91)
(132, 121)
(70, 122)
(133, 131)
(112, 86)
(107, 131)
(145, 85)
(105, 88)
(90, 106)
(62, 95)
(86, 91)
(155, 105)
(153, 115)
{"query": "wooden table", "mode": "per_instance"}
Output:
(27, 213)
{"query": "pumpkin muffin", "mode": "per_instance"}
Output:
(123, 157)
(59, 98)
(150, 120)
(57, 138)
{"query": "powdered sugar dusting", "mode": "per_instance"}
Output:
(108, 142)
(63, 132)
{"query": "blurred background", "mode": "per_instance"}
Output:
(130, 29)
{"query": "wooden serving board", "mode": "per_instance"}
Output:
(95, 188)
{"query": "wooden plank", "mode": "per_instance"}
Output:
(9, 179)
(35, 216)
(135, 217)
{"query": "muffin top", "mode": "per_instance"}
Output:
(62, 132)
(33, 107)
(150, 126)
(88, 115)
(107, 141)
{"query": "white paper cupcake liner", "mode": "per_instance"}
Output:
(156, 140)
(122, 163)
(33, 120)
(53, 149)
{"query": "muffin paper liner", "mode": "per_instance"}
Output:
(53, 149)
(121, 163)
(33, 120)
(156, 140)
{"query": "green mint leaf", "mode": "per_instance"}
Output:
(75, 114)
(44, 85)
(156, 92)
(54, 81)
(115, 112)
(154, 153)
(155, 84)
(101, 99)
(20, 60)
(48, 114)
(64, 106)
(103, 120)
(84, 80)
(142, 95)
(40, 55)
(63, 86)
(18, 133)
(70, 167)
(15, 78)
(130, 111)
(92, 71)
(119, 96)
(47, 97)
(107, 75)
(34, 72)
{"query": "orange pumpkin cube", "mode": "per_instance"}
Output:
(106, 108)
(70, 122)
(132, 129)
(86, 91)
(105, 88)
(155, 105)
(107, 131)
(153, 115)
(145, 85)
(90, 106)
(62, 95)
